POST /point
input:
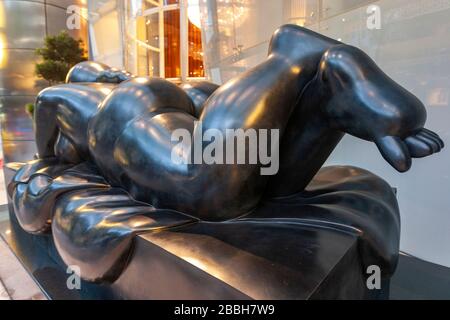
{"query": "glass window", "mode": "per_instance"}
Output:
(152, 28)
(149, 4)
(195, 51)
(172, 53)
(167, 2)
(157, 42)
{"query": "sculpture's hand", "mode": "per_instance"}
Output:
(113, 76)
(90, 71)
(398, 152)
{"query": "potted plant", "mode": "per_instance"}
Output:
(59, 53)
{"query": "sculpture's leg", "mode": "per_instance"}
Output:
(262, 98)
(350, 94)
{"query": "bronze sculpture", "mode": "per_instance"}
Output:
(104, 170)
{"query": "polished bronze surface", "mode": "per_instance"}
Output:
(96, 72)
(105, 145)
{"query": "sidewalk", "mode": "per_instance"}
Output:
(15, 282)
(3, 293)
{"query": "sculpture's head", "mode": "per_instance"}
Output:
(363, 101)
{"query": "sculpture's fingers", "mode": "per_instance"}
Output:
(396, 152)
(418, 148)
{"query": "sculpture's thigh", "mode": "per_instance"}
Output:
(143, 153)
(154, 154)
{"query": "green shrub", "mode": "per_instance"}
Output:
(29, 107)
(59, 54)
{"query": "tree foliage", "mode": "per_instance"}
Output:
(60, 53)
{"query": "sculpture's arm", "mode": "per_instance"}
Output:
(61, 117)
(90, 71)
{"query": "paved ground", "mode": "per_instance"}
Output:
(15, 282)
(3, 293)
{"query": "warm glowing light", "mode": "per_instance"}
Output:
(97, 67)
(196, 262)
(141, 80)
(194, 12)
(256, 114)
(84, 13)
(296, 70)
(2, 51)
(232, 12)
(229, 13)
(2, 15)
(105, 91)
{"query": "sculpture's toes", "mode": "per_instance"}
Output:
(93, 229)
(424, 143)
(398, 152)
(36, 186)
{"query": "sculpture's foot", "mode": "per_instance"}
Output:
(399, 151)
(363, 101)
